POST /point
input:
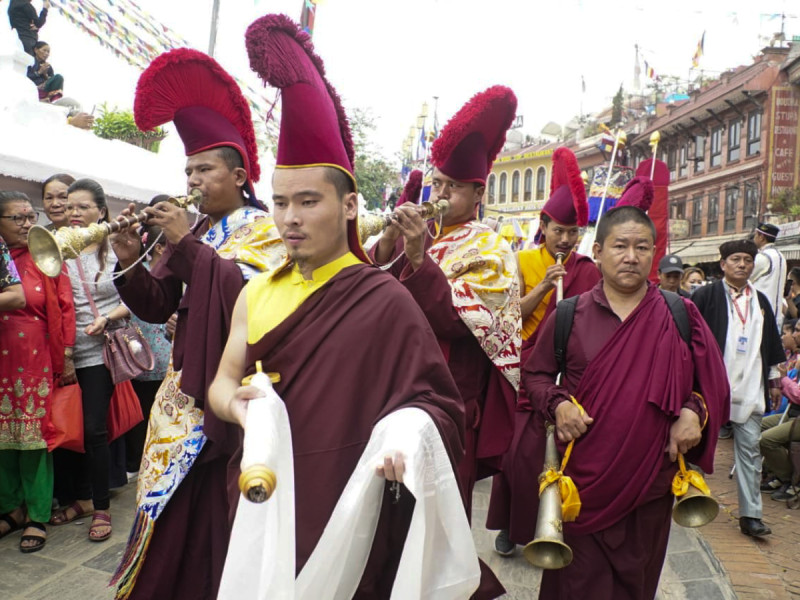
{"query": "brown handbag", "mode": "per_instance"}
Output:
(126, 352)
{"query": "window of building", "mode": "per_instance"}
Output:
(503, 184)
(699, 153)
(683, 160)
(697, 215)
(541, 176)
(731, 204)
(672, 163)
(515, 187)
(716, 147)
(734, 139)
(528, 185)
(490, 187)
(678, 209)
(754, 133)
(751, 201)
(713, 214)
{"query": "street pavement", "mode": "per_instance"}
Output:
(713, 563)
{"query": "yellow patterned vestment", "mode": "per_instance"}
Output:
(482, 271)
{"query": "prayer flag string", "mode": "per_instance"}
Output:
(137, 37)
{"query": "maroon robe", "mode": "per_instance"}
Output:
(187, 550)
(339, 375)
(488, 397)
(582, 275)
(633, 378)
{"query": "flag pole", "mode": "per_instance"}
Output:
(212, 36)
(655, 137)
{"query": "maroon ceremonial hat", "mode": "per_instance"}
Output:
(638, 193)
(205, 103)
(567, 203)
(470, 141)
(412, 188)
(314, 127)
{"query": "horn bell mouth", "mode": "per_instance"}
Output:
(45, 251)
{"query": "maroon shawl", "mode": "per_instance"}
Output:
(634, 388)
(344, 365)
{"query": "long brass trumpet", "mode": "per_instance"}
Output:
(372, 224)
(50, 250)
(548, 550)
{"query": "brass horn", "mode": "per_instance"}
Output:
(372, 224)
(50, 250)
(696, 507)
(548, 550)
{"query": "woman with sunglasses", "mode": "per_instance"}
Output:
(84, 479)
(36, 344)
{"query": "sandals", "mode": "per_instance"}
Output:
(13, 525)
(100, 520)
(40, 540)
(61, 518)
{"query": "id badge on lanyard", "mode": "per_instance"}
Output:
(741, 341)
(741, 344)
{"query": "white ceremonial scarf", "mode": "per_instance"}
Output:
(439, 560)
(745, 370)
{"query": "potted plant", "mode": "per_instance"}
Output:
(115, 124)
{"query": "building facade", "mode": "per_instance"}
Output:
(732, 151)
(519, 183)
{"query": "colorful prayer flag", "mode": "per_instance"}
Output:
(699, 52)
(307, 16)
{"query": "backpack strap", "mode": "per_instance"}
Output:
(679, 314)
(565, 314)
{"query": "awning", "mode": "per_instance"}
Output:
(790, 251)
(702, 250)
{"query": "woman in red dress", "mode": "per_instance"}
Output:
(36, 346)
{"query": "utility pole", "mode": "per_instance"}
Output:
(212, 38)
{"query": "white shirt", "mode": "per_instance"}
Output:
(769, 277)
(743, 354)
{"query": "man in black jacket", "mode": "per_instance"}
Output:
(22, 16)
(743, 324)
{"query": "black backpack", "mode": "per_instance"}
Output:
(565, 314)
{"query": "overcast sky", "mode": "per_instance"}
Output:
(391, 55)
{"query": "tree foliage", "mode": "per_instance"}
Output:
(617, 104)
(373, 172)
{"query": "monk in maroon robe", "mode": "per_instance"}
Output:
(562, 216)
(179, 540)
(647, 396)
(322, 320)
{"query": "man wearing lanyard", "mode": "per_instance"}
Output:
(742, 321)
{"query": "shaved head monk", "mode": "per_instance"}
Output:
(320, 323)
(647, 396)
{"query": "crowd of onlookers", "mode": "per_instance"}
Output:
(51, 339)
(769, 438)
